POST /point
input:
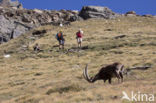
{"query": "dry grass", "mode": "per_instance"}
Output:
(53, 76)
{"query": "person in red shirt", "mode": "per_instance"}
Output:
(79, 35)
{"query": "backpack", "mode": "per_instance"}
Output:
(59, 36)
(79, 34)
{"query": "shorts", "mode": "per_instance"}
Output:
(61, 42)
(79, 40)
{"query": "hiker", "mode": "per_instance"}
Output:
(36, 47)
(60, 38)
(79, 35)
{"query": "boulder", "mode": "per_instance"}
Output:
(38, 11)
(14, 22)
(10, 29)
(3, 39)
(20, 29)
(39, 32)
(120, 36)
(148, 15)
(6, 26)
(96, 12)
(130, 13)
(26, 18)
(8, 3)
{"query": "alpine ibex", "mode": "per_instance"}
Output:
(106, 73)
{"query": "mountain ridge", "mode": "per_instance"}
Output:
(15, 20)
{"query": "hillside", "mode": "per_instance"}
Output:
(54, 76)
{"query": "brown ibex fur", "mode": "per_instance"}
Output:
(106, 73)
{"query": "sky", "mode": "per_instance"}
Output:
(141, 7)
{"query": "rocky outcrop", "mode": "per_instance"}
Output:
(14, 22)
(97, 12)
(39, 32)
(148, 15)
(130, 13)
(9, 29)
(9, 3)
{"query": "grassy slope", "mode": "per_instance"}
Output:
(54, 76)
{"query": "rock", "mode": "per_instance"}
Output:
(67, 23)
(9, 3)
(10, 29)
(114, 97)
(130, 13)
(15, 21)
(9, 14)
(7, 56)
(38, 74)
(85, 47)
(26, 19)
(28, 26)
(20, 29)
(5, 3)
(39, 32)
(109, 29)
(147, 15)
(73, 18)
(6, 28)
(3, 39)
(120, 36)
(96, 12)
(38, 11)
